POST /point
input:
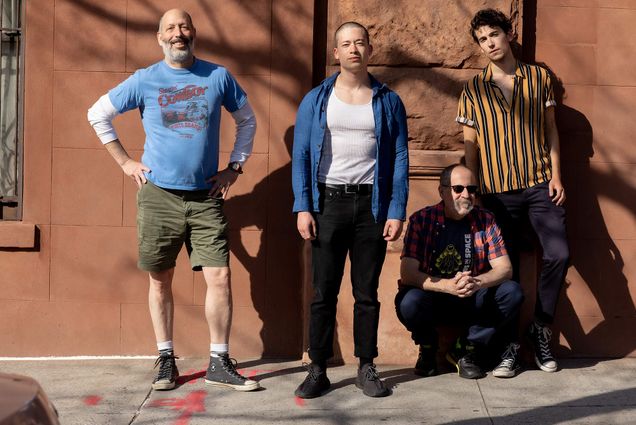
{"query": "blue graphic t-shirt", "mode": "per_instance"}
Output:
(181, 114)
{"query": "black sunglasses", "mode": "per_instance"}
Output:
(459, 188)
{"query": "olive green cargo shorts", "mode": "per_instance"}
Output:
(167, 218)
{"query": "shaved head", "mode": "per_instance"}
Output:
(175, 13)
(350, 24)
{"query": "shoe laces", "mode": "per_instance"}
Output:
(313, 372)
(166, 364)
(510, 355)
(229, 365)
(544, 334)
(372, 374)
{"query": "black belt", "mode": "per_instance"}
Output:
(360, 189)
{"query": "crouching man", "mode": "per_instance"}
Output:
(455, 270)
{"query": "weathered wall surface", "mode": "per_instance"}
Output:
(422, 50)
(590, 46)
(79, 291)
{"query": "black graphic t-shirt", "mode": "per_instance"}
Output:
(454, 249)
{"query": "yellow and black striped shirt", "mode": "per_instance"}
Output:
(513, 150)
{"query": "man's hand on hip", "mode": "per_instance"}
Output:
(392, 230)
(306, 225)
(221, 182)
(135, 170)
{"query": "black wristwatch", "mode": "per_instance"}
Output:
(236, 167)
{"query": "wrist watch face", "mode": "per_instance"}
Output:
(235, 166)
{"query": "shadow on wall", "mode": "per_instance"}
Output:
(594, 254)
(268, 303)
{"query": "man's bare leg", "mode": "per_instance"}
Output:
(161, 306)
(218, 312)
(218, 303)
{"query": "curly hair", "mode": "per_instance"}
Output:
(492, 18)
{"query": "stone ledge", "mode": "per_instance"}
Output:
(15, 234)
(429, 163)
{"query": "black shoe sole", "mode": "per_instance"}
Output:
(425, 372)
(460, 371)
(320, 393)
(386, 393)
(309, 396)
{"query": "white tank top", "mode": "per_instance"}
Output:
(349, 150)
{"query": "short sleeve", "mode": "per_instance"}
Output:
(413, 239)
(127, 95)
(548, 92)
(494, 240)
(233, 95)
(466, 109)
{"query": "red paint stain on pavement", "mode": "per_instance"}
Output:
(251, 373)
(299, 401)
(188, 405)
(92, 400)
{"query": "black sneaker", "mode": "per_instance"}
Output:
(315, 384)
(426, 364)
(168, 373)
(509, 365)
(540, 336)
(222, 373)
(467, 361)
(370, 383)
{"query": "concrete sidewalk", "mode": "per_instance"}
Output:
(118, 392)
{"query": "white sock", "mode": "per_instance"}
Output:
(165, 346)
(216, 349)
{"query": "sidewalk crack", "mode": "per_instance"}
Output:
(483, 401)
(141, 406)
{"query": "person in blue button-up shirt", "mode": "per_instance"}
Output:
(350, 181)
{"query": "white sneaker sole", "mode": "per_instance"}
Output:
(163, 386)
(545, 368)
(248, 386)
(505, 373)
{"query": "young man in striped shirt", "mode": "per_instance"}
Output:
(512, 144)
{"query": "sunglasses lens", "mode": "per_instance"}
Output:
(458, 188)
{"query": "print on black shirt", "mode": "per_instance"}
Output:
(454, 249)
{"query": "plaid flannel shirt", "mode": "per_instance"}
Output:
(426, 224)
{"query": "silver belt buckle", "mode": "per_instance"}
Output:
(347, 186)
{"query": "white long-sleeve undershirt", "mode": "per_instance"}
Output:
(101, 115)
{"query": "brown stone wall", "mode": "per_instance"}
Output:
(71, 287)
(590, 47)
(78, 291)
(422, 50)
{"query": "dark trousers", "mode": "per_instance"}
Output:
(346, 225)
(548, 222)
(489, 313)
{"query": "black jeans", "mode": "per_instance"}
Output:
(489, 313)
(346, 225)
(548, 222)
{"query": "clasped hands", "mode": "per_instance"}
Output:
(463, 285)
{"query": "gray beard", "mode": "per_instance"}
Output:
(177, 56)
(461, 205)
